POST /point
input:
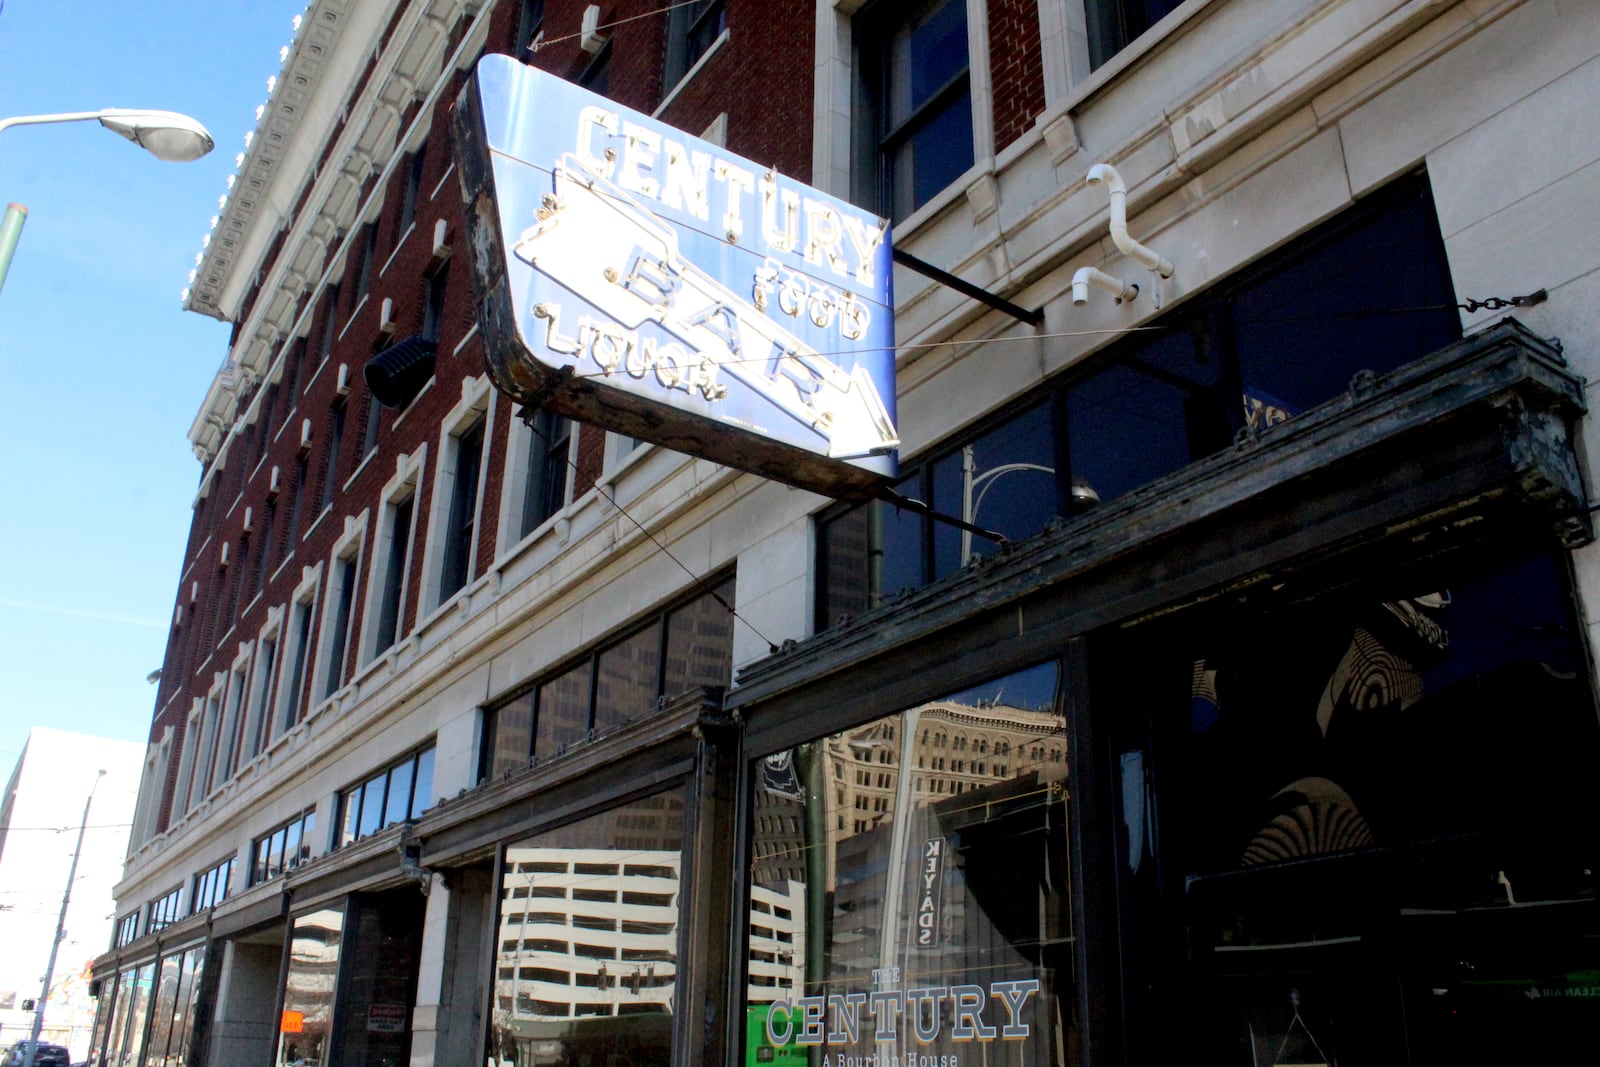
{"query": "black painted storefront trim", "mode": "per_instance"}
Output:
(1472, 441)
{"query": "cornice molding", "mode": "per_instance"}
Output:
(336, 38)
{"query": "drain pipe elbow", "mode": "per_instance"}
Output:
(1087, 276)
(1106, 174)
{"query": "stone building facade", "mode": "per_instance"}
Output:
(1243, 714)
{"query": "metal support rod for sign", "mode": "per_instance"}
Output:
(966, 288)
(61, 930)
(889, 496)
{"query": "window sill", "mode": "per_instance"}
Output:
(354, 314)
(410, 407)
(327, 509)
(411, 228)
(1112, 69)
(689, 75)
(465, 339)
(360, 467)
(279, 569)
(558, 525)
(448, 171)
(306, 388)
(288, 418)
(458, 603)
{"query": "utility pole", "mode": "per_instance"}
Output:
(61, 929)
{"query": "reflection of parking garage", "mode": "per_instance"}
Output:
(589, 927)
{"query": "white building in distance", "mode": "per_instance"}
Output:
(39, 818)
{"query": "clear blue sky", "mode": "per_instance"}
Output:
(101, 371)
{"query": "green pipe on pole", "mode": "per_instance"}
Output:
(10, 230)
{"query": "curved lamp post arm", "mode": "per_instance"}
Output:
(40, 120)
(167, 135)
(983, 483)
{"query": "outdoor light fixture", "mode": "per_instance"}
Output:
(166, 135)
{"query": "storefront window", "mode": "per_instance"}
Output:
(188, 1003)
(910, 896)
(586, 969)
(105, 1017)
(175, 999)
(378, 983)
(1373, 810)
(134, 1003)
(163, 1011)
(308, 993)
(117, 1031)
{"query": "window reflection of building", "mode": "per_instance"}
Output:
(308, 991)
(977, 780)
(594, 932)
(588, 932)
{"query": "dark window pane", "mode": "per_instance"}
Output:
(372, 806)
(462, 520)
(399, 804)
(546, 488)
(422, 797)
(394, 573)
(512, 742)
(1304, 332)
(928, 53)
(563, 711)
(275, 854)
(1004, 481)
(919, 103)
(871, 552)
(936, 154)
(295, 673)
(1148, 414)
(341, 626)
(291, 845)
(1113, 24)
(628, 676)
(349, 815)
(700, 643)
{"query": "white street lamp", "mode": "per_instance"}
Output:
(166, 135)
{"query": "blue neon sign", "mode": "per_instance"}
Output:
(638, 277)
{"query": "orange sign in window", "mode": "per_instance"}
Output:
(294, 1022)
